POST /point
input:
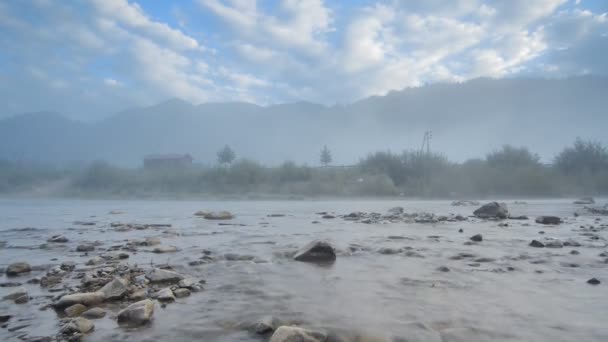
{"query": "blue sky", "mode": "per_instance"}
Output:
(92, 58)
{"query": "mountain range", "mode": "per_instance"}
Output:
(467, 120)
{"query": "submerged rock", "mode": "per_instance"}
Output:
(395, 211)
(158, 275)
(264, 326)
(16, 294)
(181, 293)
(548, 220)
(17, 268)
(164, 249)
(137, 313)
(58, 239)
(296, 334)
(211, 215)
(78, 325)
(492, 210)
(460, 203)
(316, 251)
(75, 310)
(86, 247)
(593, 281)
(94, 313)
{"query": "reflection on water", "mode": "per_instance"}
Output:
(494, 292)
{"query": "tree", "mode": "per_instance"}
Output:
(510, 157)
(226, 155)
(583, 157)
(325, 156)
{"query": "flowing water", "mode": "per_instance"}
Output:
(514, 293)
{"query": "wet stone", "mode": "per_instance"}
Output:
(94, 313)
(443, 269)
(75, 310)
(58, 239)
(593, 281)
(137, 314)
(85, 248)
(316, 251)
(17, 268)
(536, 243)
(476, 238)
(297, 334)
(181, 293)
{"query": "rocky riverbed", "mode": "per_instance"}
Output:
(303, 270)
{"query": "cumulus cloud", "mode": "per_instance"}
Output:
(294, 50)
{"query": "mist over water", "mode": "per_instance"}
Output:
(303, 170)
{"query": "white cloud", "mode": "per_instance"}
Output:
(112, 82)
(297, 50)
(132, 16)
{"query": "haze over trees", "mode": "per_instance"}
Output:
(510, 171)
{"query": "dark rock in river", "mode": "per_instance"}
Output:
(536, 243)
(296, 334)
(593, 281)
(492, 210)
(211, 215)
(477, 238)
(15, 294)
(58, 239)
(18, 268)
(395, 211)
(137, 314)
(164, 249)
(461, 203)
(316, 251)
(87, 247)
(548, 220)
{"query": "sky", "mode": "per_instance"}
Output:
(91, 58)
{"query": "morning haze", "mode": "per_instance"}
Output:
(303, 170)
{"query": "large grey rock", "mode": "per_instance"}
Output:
(115, 289)
(316, 251)
(548, 220)
(78, 325)
(18, 268)
(85, 298)
(136, 314)
(492, 210)
(158, 275)
(181, 292)
(296, 334)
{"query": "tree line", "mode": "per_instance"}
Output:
(579, 169)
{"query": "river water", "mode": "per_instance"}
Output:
(514, 293)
